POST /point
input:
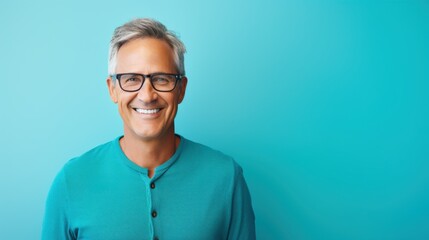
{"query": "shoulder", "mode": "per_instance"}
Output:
(205, 157)
(202, 151)
(91, 159)
(195, 147)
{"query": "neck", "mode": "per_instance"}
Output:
(149, 153)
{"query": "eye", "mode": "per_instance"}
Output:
(131, 79)
(128, 79)
(161, 79)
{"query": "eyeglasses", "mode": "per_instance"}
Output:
(161, 82)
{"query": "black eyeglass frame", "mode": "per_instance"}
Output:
(177, 76)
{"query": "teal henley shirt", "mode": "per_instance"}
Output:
(199, 193)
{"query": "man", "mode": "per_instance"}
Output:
(149, 183)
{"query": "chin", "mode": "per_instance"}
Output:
(148, 131)
(147, 135)
(150, 134)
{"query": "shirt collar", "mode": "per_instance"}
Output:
(160, 170)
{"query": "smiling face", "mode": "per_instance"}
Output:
(147, 114)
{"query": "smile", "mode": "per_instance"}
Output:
(147, 111)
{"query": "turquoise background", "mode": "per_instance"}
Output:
(323, 103)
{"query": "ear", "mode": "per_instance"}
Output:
(182, 88)
(112, 89)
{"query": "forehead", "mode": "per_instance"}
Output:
(145, 55)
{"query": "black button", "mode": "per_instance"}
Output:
(154, 214)
(155, 238)
(152, 185)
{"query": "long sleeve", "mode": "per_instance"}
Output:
(56, 222)
(242, 225)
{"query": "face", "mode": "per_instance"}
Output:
(147, 114)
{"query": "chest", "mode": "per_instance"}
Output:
(166, 209)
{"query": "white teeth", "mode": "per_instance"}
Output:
(147, 111)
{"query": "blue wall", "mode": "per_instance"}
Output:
(323, 103)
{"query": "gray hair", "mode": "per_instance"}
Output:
(142, 28)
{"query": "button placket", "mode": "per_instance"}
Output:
(154, 212)
(150, 203)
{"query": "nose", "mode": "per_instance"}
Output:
(147, 94)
